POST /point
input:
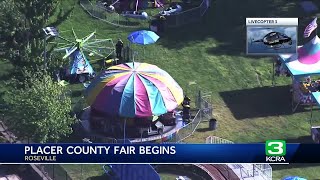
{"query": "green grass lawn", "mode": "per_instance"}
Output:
(212, 54)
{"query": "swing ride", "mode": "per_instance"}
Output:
(135, 14)
(78, 49)
(174, 9)
(110, 8)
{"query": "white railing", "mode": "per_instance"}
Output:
(217, 140)
(246, 170)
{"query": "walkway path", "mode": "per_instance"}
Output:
(11, 138)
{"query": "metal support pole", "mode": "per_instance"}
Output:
(45, 52)
(273, 78)
(311, 109)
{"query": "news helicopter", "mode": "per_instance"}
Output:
(275, 40)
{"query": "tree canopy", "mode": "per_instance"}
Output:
(41, 110)
(21, 23)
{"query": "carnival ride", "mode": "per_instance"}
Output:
(135, 14)
(125, 9)
(140, 93)
(173, 9)
(77, 50)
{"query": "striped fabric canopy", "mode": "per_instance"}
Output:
(316, 97)
(134, 90)
(306, 61)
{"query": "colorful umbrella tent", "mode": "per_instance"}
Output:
(306, 61)
(134, 90)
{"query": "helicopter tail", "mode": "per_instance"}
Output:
(256, 41)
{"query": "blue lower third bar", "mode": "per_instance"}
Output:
(158, 153)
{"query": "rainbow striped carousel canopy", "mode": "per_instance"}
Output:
(306, 61)
(134, 90)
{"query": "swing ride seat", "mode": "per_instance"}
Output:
(111, 61)
(171, 10)
(63, 83)
(135, 15)
(109, 8)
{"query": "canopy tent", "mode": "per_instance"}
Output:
(315, 128)
(316, 98)
(304, 63)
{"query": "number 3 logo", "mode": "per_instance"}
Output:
(276, 148)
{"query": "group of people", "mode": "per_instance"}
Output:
(310, 85)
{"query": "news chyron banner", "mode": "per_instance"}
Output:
(270, 36)
(273, 151)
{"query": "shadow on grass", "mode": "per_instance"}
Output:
(225, 22)
(76, 93)
(259, 102)
(103, 177)
(301, 139)
(62, 16)
(291, 166)
(203, 129)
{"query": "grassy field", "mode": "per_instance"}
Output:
(212, 54)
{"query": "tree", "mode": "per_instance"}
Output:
(21, 23)
(41, 110)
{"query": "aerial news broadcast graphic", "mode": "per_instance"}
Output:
(267, 36)
(156, 90)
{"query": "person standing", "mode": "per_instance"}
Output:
(119, 47)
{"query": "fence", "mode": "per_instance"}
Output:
(188, 16)
(205, 109)
(98, 11)
(245, 170)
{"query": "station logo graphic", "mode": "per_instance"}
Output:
(276, 151)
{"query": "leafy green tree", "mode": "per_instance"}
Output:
(21, 23)
(41, 110)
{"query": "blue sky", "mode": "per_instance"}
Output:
(255, 33)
